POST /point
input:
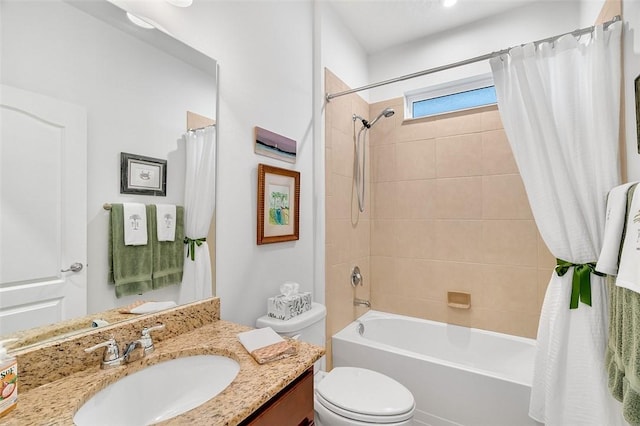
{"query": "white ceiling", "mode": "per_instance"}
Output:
(380, 24)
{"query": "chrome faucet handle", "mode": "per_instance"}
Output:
(111, 357)
(146, 339)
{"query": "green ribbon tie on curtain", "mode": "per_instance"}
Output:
(191, 246)
(581, 281)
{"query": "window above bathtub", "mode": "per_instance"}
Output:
(459, 95)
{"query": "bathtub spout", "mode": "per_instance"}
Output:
(358, 302)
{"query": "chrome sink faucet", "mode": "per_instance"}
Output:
(130, 348)
(112, 358)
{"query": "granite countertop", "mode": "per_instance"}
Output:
(57, 402)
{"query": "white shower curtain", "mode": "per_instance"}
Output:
(199, 204)
(560, 104)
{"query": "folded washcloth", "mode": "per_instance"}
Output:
(628, 276)
(135, 224)
(265, 345)
(129, 266)
(613, 229)
(142, 307)
(168, 256)
(166, 222)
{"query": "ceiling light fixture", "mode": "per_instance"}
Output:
(448, 3)
(139, 21)
(180, 3)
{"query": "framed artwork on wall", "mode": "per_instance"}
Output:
(142, 175)
(278, 204)
(273, 145)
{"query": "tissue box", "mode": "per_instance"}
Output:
(286, 307)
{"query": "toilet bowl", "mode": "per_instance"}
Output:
(350, 396)
(346, 396)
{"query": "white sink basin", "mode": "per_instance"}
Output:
(159, 392)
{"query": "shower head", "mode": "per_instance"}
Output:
(365, 123)
(387, 112)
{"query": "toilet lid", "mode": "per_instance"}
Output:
(365, 395)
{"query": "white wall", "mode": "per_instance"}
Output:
(136, 99)
(265, 52)
(338, 51)
(535, 21)
(589, 11)
(342, 54)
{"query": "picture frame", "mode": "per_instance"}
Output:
(278, 209)
(276, 146)
(142, 175)
(637, 93)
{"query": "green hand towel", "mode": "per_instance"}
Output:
(623, 349)
(129, 266)
(168, 256)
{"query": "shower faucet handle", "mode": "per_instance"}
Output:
(356, 277)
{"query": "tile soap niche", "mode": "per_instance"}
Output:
(459, 299)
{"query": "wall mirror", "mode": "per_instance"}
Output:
(81, 84)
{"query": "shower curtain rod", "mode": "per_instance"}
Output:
(576, 33)
(201, 128)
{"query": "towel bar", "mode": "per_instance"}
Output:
(106, 206)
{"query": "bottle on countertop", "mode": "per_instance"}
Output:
(8, 380)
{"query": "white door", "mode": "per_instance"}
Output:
(43, 213)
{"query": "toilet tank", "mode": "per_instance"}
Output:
(308, 327)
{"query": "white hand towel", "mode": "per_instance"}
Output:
(149, 307)
(135, 224)
(265, 345)
(613, 226)
(628, 273)
(259, 338)
(166, 222)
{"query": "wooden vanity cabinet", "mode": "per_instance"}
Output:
(292, 406)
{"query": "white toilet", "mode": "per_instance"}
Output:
(346, 396)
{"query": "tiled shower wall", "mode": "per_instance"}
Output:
(348, 231)
(445, 210)
(450, 213)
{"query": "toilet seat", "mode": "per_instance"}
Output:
(365, 395)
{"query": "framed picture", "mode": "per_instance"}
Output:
(637, 90)
(142, 175)
(274, 145)
(278, 204)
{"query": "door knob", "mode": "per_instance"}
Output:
(75, 267)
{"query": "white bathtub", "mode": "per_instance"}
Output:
(458, 375)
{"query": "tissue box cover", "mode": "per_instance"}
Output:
(286, 307)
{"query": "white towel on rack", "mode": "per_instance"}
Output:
(613, 227)
(628, 272)
(135, 224)
(166, 222)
